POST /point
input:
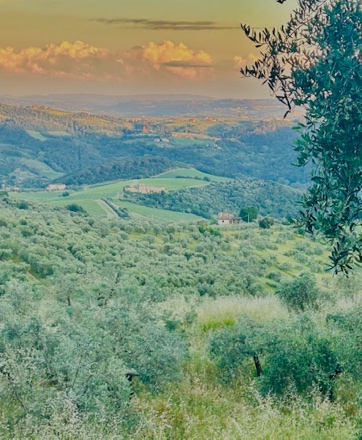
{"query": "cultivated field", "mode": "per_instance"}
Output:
(90, 197)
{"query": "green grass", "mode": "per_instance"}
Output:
(42, 168)
(52, 174)
(115, 189)
(89, 198)
(186, 142)
(59, 133)
(54, 198)
(173, 184)
(158, 214)
(37, 196)
(91, 206)
(36, 135)
(191, 172)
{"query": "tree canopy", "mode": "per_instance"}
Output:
(314, 61)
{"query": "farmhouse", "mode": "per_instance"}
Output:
(224, 218)
(141, 188)
(56, 187)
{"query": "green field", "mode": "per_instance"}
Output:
(116, 189)
(42, 168)
(93, 207)
(90, 197)
(191, 172)
(158, 214)
(58, 133)
(36, 135)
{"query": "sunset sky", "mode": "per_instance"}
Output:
(131, 46)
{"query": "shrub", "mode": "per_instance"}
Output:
(75, 208)
(300, 357)
(233, 345)
(301, 293)
(266, 223)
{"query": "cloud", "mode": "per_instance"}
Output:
(79, 60)
(165, 24)
(182, 64)
(239, 61)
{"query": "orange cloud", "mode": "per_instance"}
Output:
(83, 61)
(242, 62)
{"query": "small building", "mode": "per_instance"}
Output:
(225, 218)
(56, 187)
(144, 189)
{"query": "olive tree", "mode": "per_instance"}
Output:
(314, 62)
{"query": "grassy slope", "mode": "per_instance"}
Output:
(191, 172)
(158, 214)
(90, 197)
(43, 169)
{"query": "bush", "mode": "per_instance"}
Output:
(231, 346)
(301, 293)
(23, 205)
(266, 223)
(300, 357)
(75, 208)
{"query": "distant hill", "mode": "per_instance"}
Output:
(125, 168)
(50, 120)
(39, 144)
(151, 105)
(270, 198)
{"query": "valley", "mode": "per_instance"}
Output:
(130, 312)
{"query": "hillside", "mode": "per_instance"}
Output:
(87, 303)
(125, 168)
(151, 105)
(40, 144)
(102, 199)
(186, 195)
(270, 198)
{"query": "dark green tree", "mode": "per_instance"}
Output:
(266, 222)
(300, 294)
(302, 356)
(232, 346)
(314, 61)
(249, 213)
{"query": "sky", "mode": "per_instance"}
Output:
(123, 47)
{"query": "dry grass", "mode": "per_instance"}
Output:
(213, 313)
(200, 412)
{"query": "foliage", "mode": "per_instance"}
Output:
(267, 197)
(89, 302)
(266, 222)
(40, 145)
(315, 62)
(125, 168)
(301, 293)
(231, 346)
(295, 355)
(249, 213)
(74, 207)
(302, 357)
